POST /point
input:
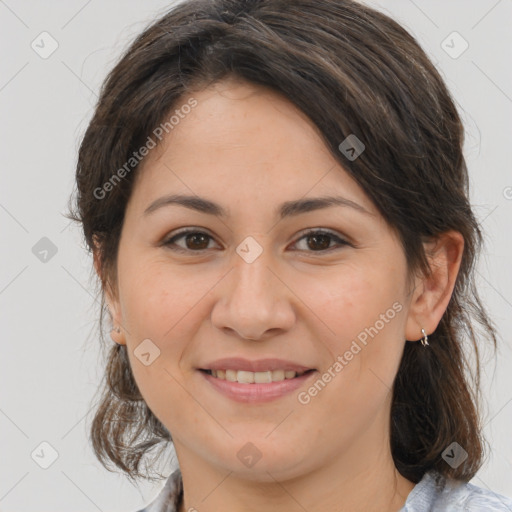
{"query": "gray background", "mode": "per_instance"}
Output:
(50, 363)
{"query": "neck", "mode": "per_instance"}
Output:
(362, 479)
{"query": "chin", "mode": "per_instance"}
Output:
(263, 460)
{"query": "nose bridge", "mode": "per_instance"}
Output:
(253, 279)
(253, 291)
(254, 300)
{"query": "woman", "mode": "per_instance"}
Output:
(276, 199)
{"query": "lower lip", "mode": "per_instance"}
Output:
(256, 393)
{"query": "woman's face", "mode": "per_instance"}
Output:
(254, 285)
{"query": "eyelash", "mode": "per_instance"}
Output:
(170, 243)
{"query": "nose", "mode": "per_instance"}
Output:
(253, 300)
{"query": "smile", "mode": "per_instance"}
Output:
(246, 377)
(245, 387)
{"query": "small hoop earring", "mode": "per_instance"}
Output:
(424, 340)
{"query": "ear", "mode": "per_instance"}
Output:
(432, 293)
(110, 298)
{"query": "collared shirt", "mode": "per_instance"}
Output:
(433, 493)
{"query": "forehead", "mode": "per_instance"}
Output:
(242, 141)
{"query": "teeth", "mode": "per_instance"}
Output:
(245, 377)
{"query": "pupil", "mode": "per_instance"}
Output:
(197, 236)
(324, 238)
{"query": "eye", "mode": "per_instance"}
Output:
(194, 241)
(319, 240)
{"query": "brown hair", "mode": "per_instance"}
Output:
(352, 70)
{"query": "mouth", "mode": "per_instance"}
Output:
(256, 387)
(247, 377)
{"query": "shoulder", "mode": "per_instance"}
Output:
(436, 493)
(169, 498)
(477, 498)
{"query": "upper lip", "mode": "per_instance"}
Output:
(259, 365)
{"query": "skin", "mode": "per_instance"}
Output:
(249, 150)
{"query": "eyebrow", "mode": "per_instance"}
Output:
(286, 209)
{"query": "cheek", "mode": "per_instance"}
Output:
(152, 303)
(161, 306)
(157, 299)
(359, 313)
(346, 299)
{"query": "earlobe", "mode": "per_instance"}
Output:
(117, 331)
(117, 335)
(432, 293)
